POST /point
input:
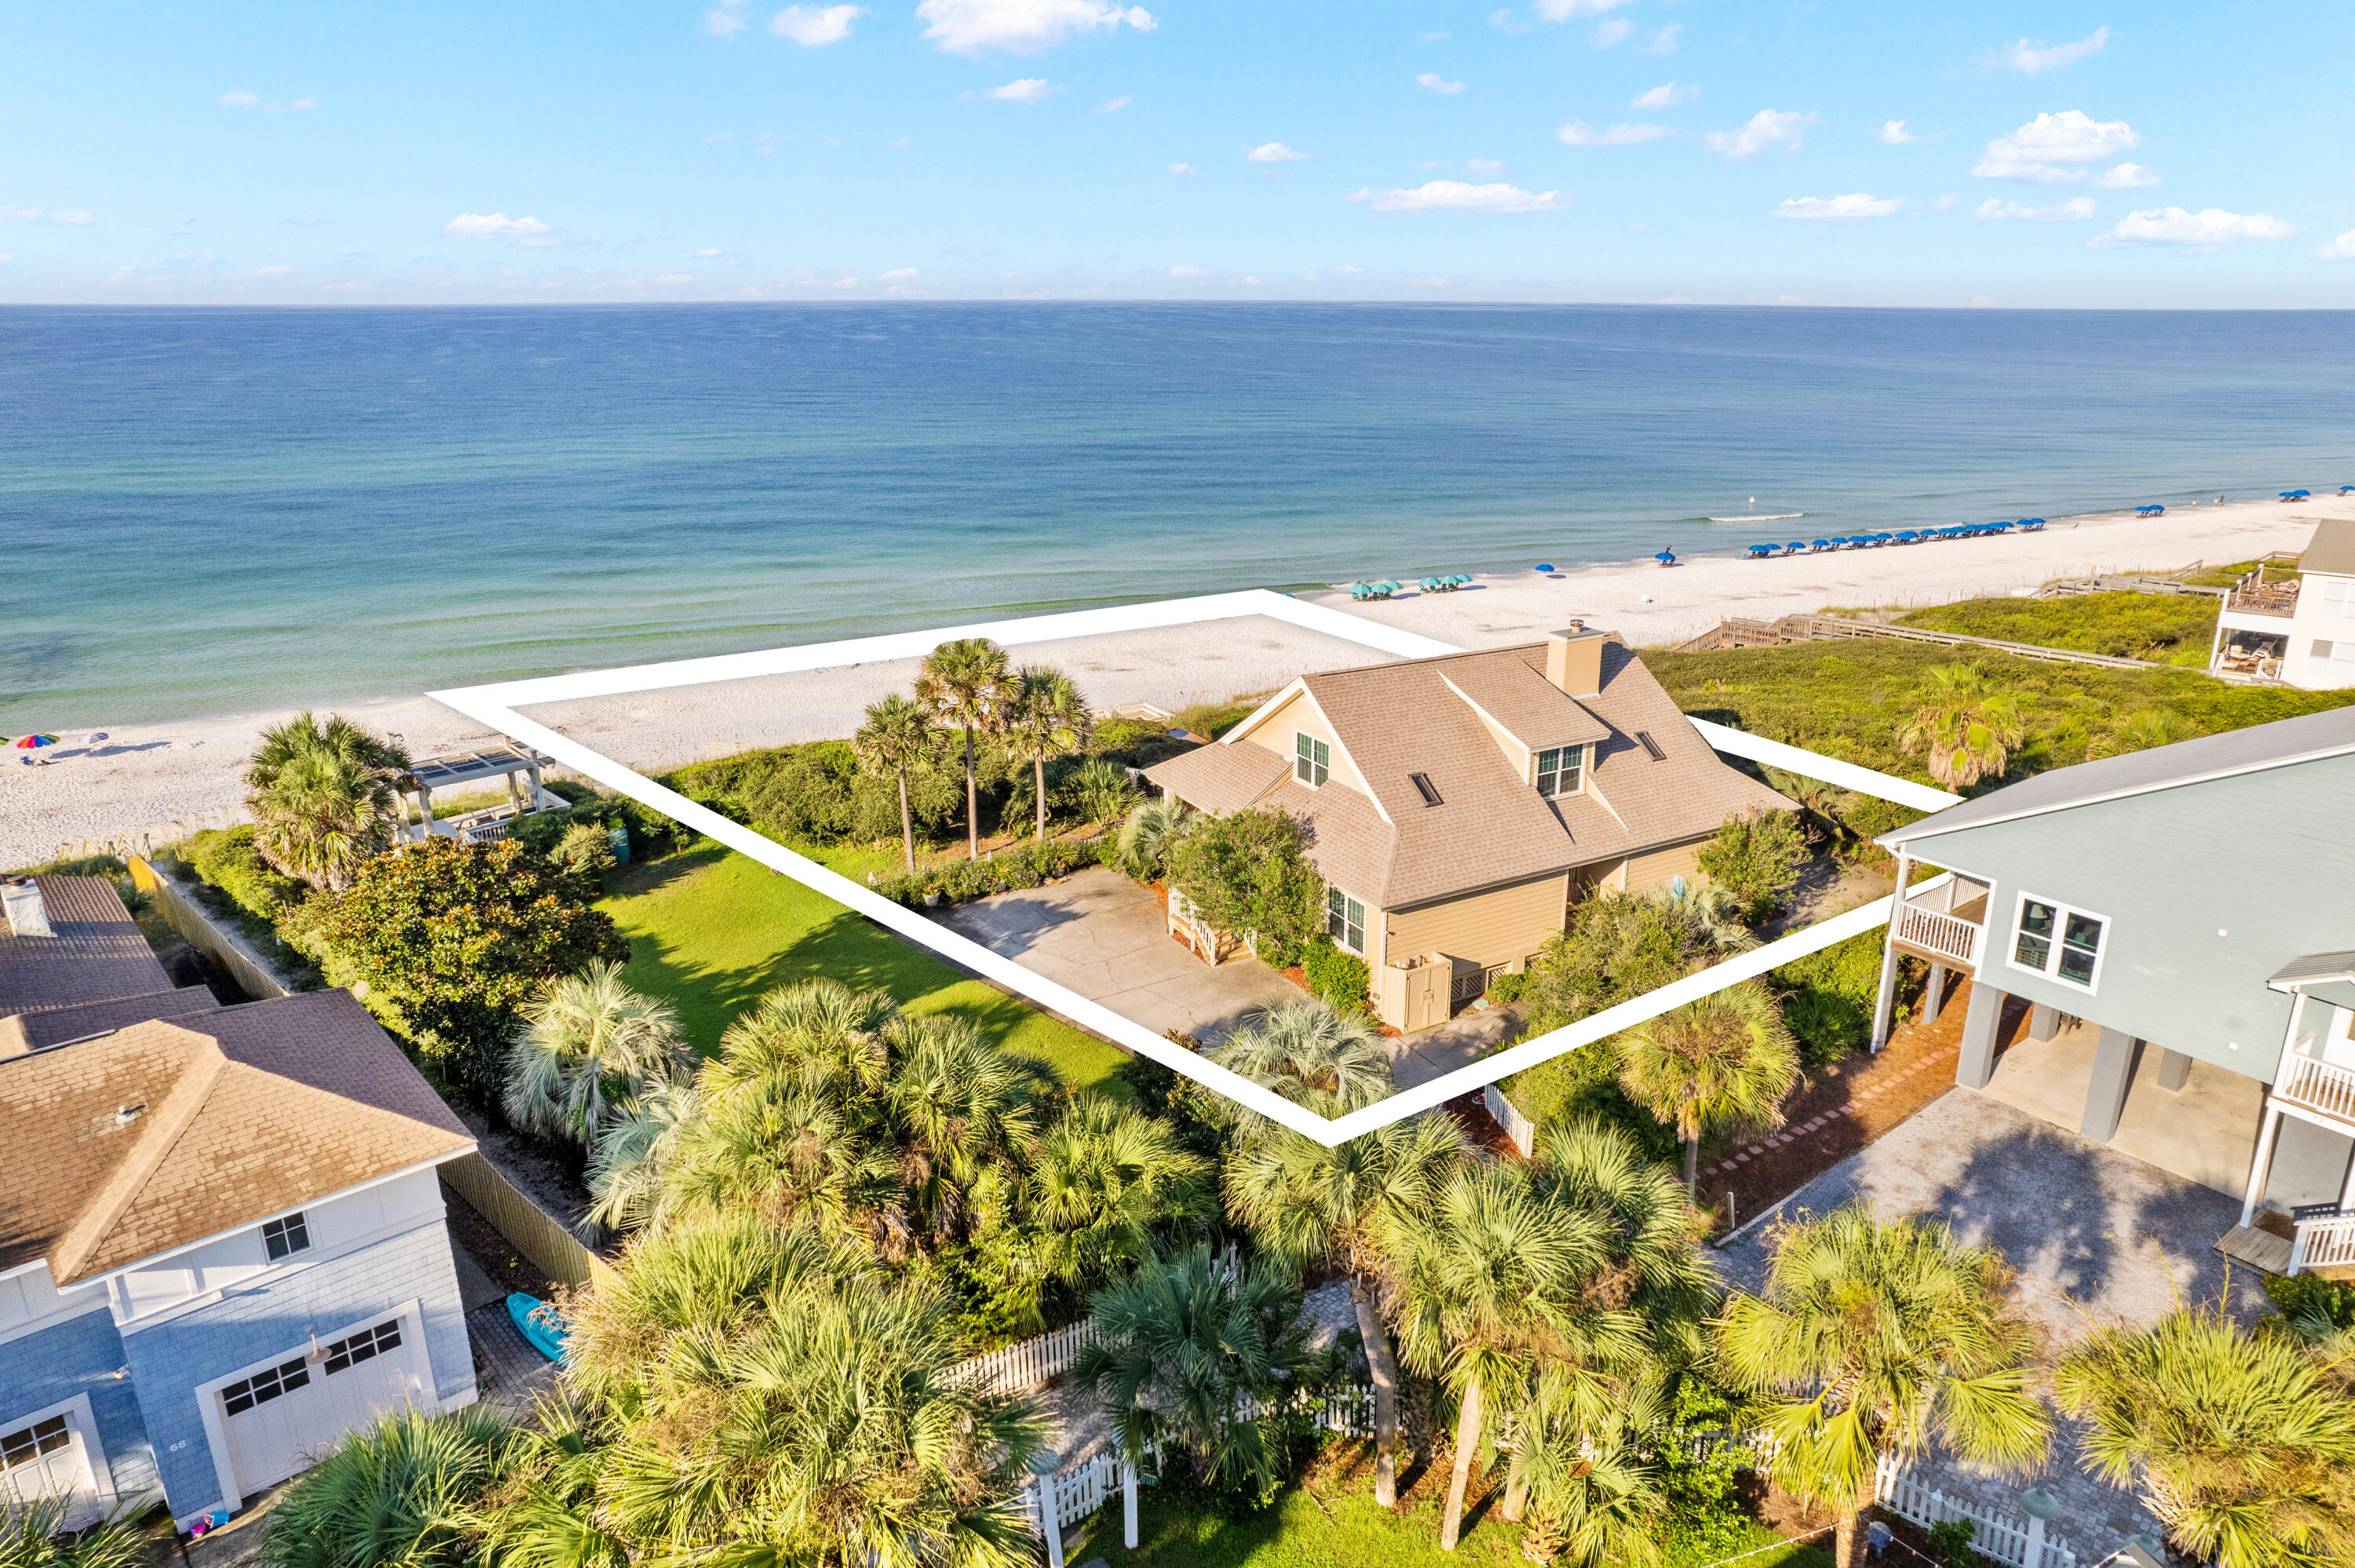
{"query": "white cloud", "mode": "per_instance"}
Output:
(2037, 58)
(1434, 37)
(1484, 165)
(707, 251)
(2126, 177)
(2053, 149)
(1667, 95)
(814, 27)
(267, 106)
(1454, 195)
(1579, 133)
(901, 142)
(1855, 205)
(1769, 130)
(1022, 26)
(1614, 31)
(492, 225)
(1564, 10)
(828, 142)
(76, 217)
(10, 212)
(2204, 230)
(2076, 209)
(1429, 283)
(1438, 83)
(899, 274)
(272, 272)
(2340, 249)
(724, 18)
(239, 100)
(1021, 90)
(1982, 302)
(1189, 271)
(1946, 203)
(1503, 21)
(1664, 42)
(1273, 153)
(1894, 133)
(844, 284)
(1114, 105)
(8, 256)
(1182, 168)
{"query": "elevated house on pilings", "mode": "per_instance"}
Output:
(518, 772)
(2175, 924)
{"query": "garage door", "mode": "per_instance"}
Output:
(278, 1419)
(49, 1458)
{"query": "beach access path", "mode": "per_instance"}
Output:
(169, 779)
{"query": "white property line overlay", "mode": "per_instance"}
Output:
(495, 705)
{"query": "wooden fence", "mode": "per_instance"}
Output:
(195, 925)
(531, 1230)
(2018, 1543)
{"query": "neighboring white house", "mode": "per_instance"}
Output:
(2301, 632)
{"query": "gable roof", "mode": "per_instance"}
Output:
(95, 954)
(25, 1032)
(2332, 548)
(2285, 743)
(1490, 828)
(243, 1113)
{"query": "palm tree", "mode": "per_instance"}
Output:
(1102, 1184)
(1047, 718)
(1304, 1203)
(961, 1114)
(2143, 730)
(636, 1153)
(1197, 1354)
(777, 1399)
(1596, 1490)
(2237, 1442)
(322, 798)
(1105, 789)
(1967, 727)
(819, 1032)
(1312, 1053)
(400, 1493)
(898, 736)
(1871, 1336)
(543, 1513)
(1145, 839)
(967, 685)
(33, 1535)
(1725, 1058)
(590, 1048)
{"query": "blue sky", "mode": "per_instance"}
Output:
(2062, 155)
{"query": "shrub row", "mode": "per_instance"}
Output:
(226, 858)
(1007, 870)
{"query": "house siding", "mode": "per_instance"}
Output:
(1657, 868)
(1501, 926)
(171, 1359)
(2265, 858)
(1274, 734)
(82, 1355)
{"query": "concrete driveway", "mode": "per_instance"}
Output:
(1107, 938)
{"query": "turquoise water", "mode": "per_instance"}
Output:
(222, 511)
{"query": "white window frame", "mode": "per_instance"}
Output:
(1538, 771)
(1311, 760)
(2061, 911)
(1342, 937)
(298, 1222)
(2336, 596)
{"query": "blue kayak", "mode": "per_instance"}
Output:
(539, 1324)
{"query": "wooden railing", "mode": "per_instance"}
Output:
(2315, 1085)
(1955, 939)
(2323, 1243)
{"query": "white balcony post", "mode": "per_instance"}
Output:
(2261, 1164)
(1885, 999)
(1129, 1505)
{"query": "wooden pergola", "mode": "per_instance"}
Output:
(519, 769)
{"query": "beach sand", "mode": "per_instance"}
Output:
(165, 780)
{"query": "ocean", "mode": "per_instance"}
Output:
(209, 512)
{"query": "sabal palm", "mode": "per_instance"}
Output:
(636, 1153)
(1146, 837)
(1967, 727)
(1312, 1053)
(1047, 718)
(792, 1155)
(322, 798)
(961, 1114)
(1871, 1337)
(777, 1400)
(1727, 1057)
(2143, 730)
(898, 734)
(1102, 1184)
(1304, 1203)
(590, 1048)
(818, 1032)
(400, 1492)
(543, 1513)
(1596, 1490)
(967, 685)
(2238, 1443)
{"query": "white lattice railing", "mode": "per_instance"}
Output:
(1031, 1363)
(1949, 937)
(2020, 1543)
(2323, 1243)
(2318, 1086)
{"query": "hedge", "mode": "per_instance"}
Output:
(959, 880)
(1339, 977)
(226, 858)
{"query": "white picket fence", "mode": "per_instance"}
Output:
(2021, 1544)
(1518, 1128)
(1027, 1365)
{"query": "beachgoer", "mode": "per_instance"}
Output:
(1876, 1538)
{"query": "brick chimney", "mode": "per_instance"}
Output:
(1574, 660)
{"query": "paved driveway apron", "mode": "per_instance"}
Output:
(1107, 938)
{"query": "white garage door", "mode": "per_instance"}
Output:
(49, 1458)
(279, 1417)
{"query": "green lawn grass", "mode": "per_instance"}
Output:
(712, 929)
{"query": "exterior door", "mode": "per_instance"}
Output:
(279, 1419)
(49, 1458)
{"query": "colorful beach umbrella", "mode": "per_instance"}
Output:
(33, 742)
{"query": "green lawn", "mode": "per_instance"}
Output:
(712, 930)
(1332, 1522)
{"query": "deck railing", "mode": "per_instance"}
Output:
(2323, 1243)
(2315, 1085)
(1949, 937)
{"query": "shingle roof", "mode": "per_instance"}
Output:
(1491, 828)
(2332, 548)
(248, 1111)
(39, 1031)
(96, 954)
(2307, 739)
(2314, 969)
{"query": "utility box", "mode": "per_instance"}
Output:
(1418, 992)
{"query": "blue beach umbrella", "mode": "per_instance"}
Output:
(1544, 567)
(1795, 547)
(1760, 551)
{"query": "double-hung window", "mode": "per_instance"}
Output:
(1345, 921)
(2052, 939)
(1311, 760)
(1558, 770)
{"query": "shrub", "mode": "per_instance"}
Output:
(1246, 874)
(1146, 837)
(1585, 1083)
(586, 851)
(1619, 945)
(1828, 996)
(452, 938)
(1340, 978)
(399, 1492)
(1950, 1542)
(226, 858)
(1004, 871)
(650, 833)
(817, 793)
(1755, 859)
(32, 1532)
(1103, 790)
(2309, 1296)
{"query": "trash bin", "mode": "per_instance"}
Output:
(620, 839)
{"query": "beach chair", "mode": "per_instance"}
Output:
(2032, 525)
(1819, 545)
(1760, 551)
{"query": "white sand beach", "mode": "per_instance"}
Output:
(163, 780)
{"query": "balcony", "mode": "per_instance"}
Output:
(1942, 920)
(2253, 596)
(2318, 1087)
(2325, 1239)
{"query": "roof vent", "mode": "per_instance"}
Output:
(1424, 788)
(27, 915)
(1651, 747)
(125, 1114)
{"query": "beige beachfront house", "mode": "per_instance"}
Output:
(1458, 806)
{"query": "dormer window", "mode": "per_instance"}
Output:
(1311, 760)
(1560, 770)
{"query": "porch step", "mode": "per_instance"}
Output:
(2259, 1249)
